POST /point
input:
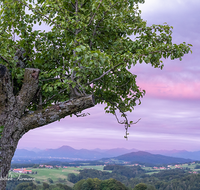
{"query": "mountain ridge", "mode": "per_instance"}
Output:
(146, 157)
(95, 154)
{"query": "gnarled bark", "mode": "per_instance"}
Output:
(28, 90)
(16, 122)
(55, 112)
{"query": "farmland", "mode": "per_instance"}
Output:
(59, 175)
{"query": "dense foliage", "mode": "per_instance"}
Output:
(197, 167)
(174, 179)
(96, 184)
(126, 171)
(11, 184)
(21, 185)
(87, 50)
(120, 173)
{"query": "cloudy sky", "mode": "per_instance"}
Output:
(170, 110)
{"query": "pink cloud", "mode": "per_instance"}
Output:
(171, 89)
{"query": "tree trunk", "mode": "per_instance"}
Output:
(16, 122)
(8, 143)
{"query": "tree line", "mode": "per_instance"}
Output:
(174, 179)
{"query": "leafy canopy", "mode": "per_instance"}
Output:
(88, 48)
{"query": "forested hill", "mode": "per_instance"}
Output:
(145, 157)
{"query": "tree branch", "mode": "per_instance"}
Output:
(60, 7)
(7, 98)
(4, 59)
(94, 31)
(32, 120)
(35, 11)
(104, 74)
(54, 96)
(29, 88)
(125, 122)
(94, 14)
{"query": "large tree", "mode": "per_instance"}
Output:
(86, 56)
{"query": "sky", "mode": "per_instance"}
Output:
(169, 112)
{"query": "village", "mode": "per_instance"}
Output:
(191, 166)
(25, 171)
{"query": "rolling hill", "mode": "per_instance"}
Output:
(145, 157)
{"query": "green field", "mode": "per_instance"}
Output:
(191, 166)
(153, 172)
(57, 174)
(92, 167)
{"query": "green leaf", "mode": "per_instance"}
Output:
(84, 45)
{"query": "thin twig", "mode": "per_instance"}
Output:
(43, 16)
(127, 125)
(54, 96)
(94, 32)
(94, 14)
(104, 73)
(73, 5)
(83, 91)
(81, 115)
(4, 59)
(50, 79)
(122, 85)
(60, 7)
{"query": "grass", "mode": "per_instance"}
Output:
(55, 174)
(93, 167)
(153, 172)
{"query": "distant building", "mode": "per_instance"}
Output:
(162, 168)
(48, 166)
(17, 170)
(23, 170)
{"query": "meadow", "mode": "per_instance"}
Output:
(58, 175)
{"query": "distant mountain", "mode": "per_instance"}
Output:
(119, 151)
(178, 153)
(35, 150)
(166, 152)
(145, 157)
(100, 150)
(67, 152)
(23, 153)
(115, 151)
